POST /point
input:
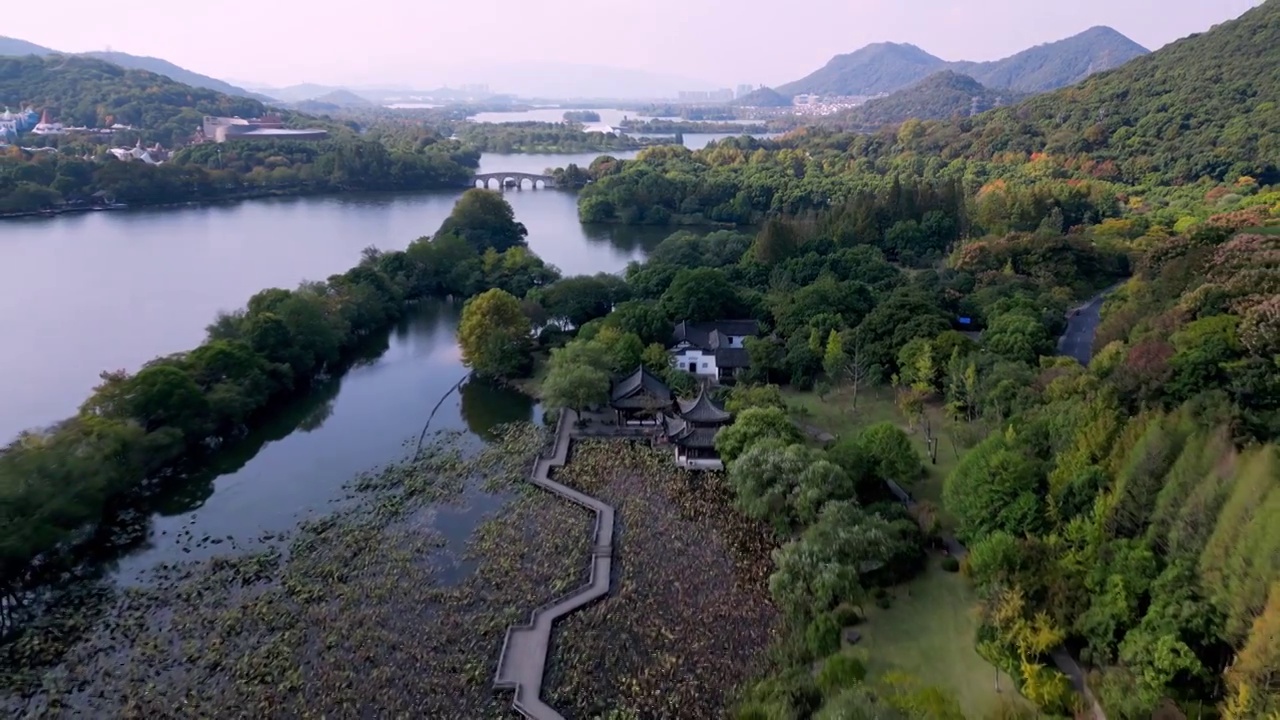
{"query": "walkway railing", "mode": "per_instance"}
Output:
(523, 660)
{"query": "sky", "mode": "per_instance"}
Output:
(426, 43)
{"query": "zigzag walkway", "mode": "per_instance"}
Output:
(523, 661)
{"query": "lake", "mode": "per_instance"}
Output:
(609, 117)
(91, 292)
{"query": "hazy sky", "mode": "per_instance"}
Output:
(423, 42)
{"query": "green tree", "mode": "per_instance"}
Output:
(742, 397)
(575, 386)
(890, 453)
(754, 425)
(995, 487)
(485, 220)
(700, 294)
(494, 335)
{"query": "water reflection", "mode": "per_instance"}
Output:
(485, 406)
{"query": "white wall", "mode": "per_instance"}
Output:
(706, 362)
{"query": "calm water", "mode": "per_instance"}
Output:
(100, 291)
(610, 117)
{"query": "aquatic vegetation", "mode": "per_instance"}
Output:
(689, 617)
(377, 609)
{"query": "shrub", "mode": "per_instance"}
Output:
(950, 564)
(846, 615)
(840, 672)
(882, 599)
(823, 635)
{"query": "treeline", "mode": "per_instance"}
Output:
(38, 181)
(744, 181)
(540, 137)
(138, 429)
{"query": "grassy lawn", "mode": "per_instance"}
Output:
(834, 415)
(929, 632)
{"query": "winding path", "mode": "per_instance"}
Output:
(523, 660)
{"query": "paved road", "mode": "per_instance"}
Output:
(1082, 324)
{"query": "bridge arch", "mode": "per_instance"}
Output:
(512, 180)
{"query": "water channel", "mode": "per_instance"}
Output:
(86, 293)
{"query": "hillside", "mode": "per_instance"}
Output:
(888, 67)
(763, 98)
(874, 69)
(86, 91)
(1139, 117)
(940, 96)
(14, 46)
(173, 72)
(1057, 64)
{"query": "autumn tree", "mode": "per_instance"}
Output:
(495, 335)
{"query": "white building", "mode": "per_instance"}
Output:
(712, 350)
(44, 127)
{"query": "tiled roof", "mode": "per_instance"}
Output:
(631, 390)
(703, 409)
(683, 434)
(714, 337)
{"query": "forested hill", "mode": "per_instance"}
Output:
(1057, 64)
(877, 68)
(888, 67)
(14, 46)
(1204, 106)
(940, 96)
(163, 67)
(85, 91)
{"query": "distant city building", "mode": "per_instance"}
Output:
(745, 90)
(476, 89)
(269, 127)
(702, 96)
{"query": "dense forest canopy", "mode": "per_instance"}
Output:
(942, 96)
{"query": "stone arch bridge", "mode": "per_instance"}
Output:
(513, 180)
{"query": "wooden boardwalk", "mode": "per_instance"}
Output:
(523, 661)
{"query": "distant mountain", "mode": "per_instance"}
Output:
(1057, 64)
(298, 93)
(874, 69)
(940, 96)
(14, 46)
(888, 67)
(343, 98)
(763, 98)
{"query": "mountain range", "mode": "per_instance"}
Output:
(887, 67)
(14, 46)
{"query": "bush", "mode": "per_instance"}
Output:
(823, 635)
(950, 564)
(846, 615)
(882, 599)
(550, 416)
(840, 672)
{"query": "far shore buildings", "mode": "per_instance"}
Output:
(267, 127)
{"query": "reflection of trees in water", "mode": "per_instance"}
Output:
(627, 238)
(485, 406)
(426, 319)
